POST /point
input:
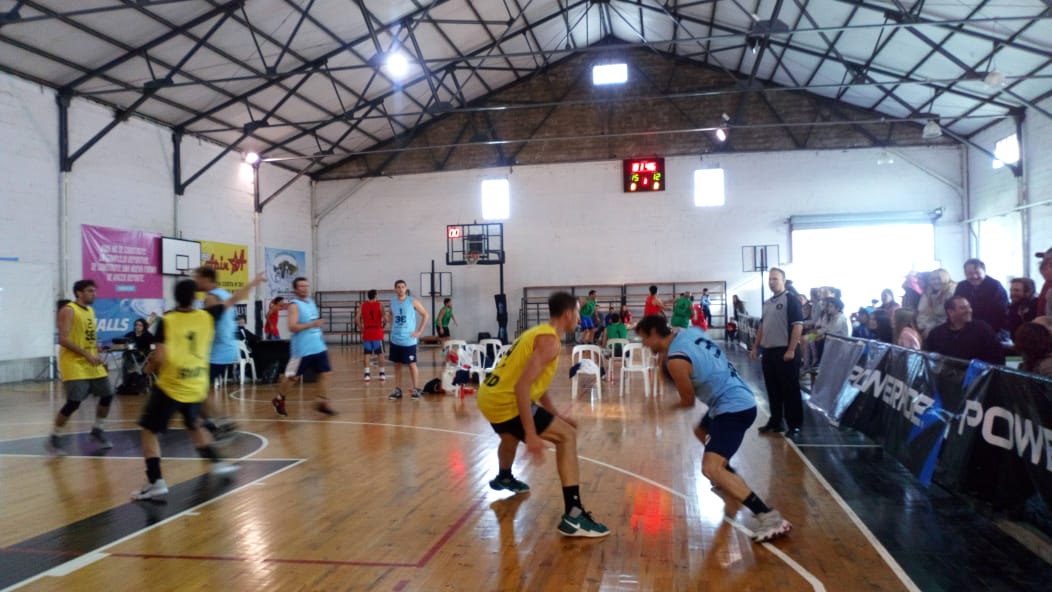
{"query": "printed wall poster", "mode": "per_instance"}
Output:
(230, 262)
(123, 263)
(283, 266)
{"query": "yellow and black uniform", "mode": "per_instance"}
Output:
(496, 397)
(182, 381)
(74, 366)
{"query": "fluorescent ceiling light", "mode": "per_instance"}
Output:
(397, 65)
(251, 158)
(721, 134)
(609, 74)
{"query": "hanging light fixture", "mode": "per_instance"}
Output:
(931, 130)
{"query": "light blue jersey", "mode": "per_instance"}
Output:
(404, 316)
(308, 341)
(224, 346)
(716, 382)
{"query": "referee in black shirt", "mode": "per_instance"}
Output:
(779, 336)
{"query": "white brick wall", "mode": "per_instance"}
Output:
(571, 224)
(125, 181)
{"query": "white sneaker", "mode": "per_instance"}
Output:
(221, 469)
(157, 490)
(367, 377)
(772, 526)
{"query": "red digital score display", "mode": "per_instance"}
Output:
(644, 174)
(454, 231)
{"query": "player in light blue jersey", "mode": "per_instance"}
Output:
(225, 352)
(407, 319)
(701, 371)
(309, 351)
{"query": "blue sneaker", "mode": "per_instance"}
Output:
(581, 525)
(511, 484)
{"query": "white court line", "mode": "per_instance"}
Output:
(895, 567)
(171, 518)
(816, 584)
(73, 565)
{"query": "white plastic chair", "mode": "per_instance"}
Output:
(611, 348)
(245, 359)
(490, 345)
(587, 352)
(635, 357)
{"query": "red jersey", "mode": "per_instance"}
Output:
(699, 320)
(271, 328)
(651, 308)
(372, 321)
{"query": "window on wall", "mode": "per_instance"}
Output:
(496, 199)
(708, 188)
(861, 259)
(609, 74)
(1006, 151)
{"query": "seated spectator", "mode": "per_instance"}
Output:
(961, 337)
(243, 334)
(931, 310)
(862, 330)
(626, 315)
(1034, 342)
(615, 330)
(904, 329)
(880, 326)
(739, 306)
(887, 301)
(1022, 307)
(610, 314)
(1045, 321)
(986, 295)
(140, 336)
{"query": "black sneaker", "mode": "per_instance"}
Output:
(396, 395)
(511, 484)
(416, 394)
(99, 437)
(324, 408)
(772, 428)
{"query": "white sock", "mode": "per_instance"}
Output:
(99, 422)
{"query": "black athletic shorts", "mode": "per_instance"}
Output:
(402, 354)
(442, 331)
(160, 408)
(541, 420)
(727, 430)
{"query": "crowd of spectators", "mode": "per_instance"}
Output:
(974, 318)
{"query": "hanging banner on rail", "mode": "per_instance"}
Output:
(975, 428)
(123, 263)
(283, 266)
(999, 446)
(230, 262)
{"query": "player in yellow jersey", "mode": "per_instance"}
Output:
(83, 373)
(514, 398)
(184, 345)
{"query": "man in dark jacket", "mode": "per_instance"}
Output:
(961, 337)
(986, 295)
(1022, 307)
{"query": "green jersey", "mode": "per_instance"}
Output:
(588, 309)
(681, 312)
(444, 315)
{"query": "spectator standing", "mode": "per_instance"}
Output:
(964, 338)
(931, 310)
(1044, 300)
(706, 306)
(913, 289)
(887, 301)
(986, 295)
(1022, 304)
(270, 329)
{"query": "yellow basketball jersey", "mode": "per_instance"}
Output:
(82, 333)
(187, 346)
(496, 398)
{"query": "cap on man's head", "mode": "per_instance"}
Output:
(1043, 254)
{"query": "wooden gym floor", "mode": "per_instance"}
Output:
(393, 496)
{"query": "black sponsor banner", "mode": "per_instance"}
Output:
(1000, 444)
(972, 427)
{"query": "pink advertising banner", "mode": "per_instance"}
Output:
(123, 263)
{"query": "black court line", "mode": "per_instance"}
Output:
(39, 554)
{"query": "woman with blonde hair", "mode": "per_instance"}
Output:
(904, 324)
(931, 311)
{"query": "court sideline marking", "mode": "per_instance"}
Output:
(873, 541)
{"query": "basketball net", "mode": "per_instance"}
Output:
(472, 258)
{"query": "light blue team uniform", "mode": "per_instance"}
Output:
(308, 341)
(403, 316)
(716, 382)
(225, 350)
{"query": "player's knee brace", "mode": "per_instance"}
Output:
(105, 401)
(69, 408)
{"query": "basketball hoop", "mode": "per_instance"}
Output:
(472, 258)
